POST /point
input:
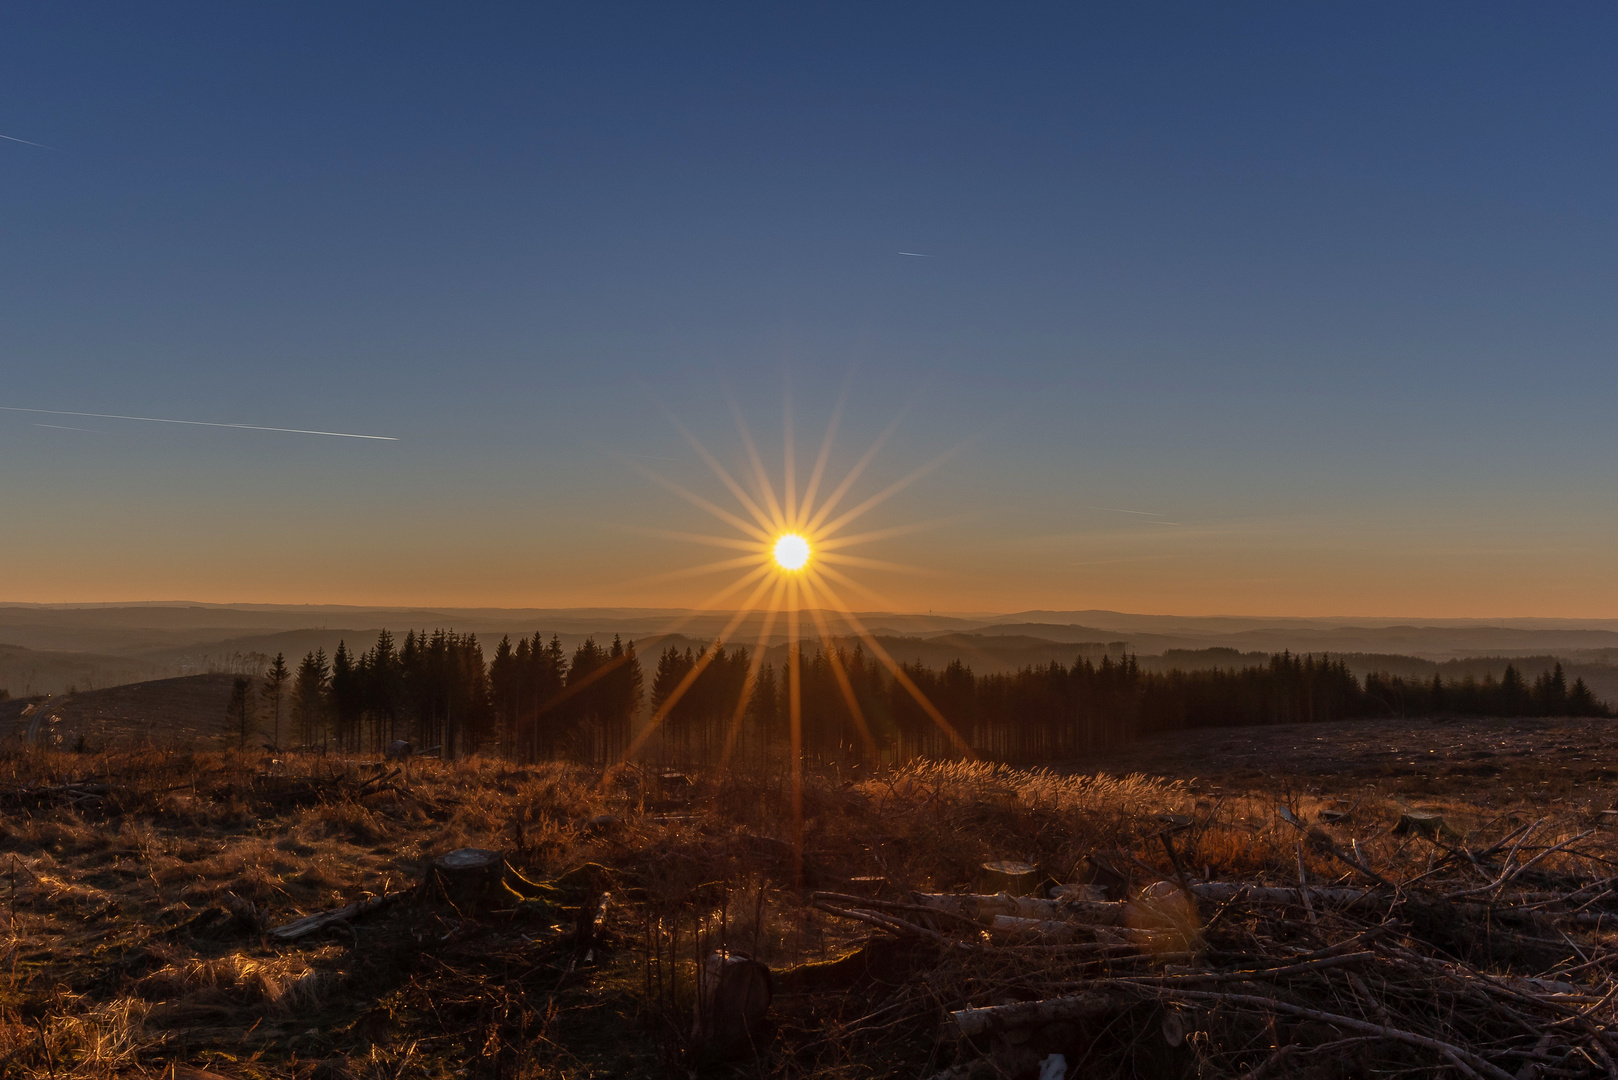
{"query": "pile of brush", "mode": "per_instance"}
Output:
(1493, 961)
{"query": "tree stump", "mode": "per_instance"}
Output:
(470, 879)
(1006, 876)
(733, 998)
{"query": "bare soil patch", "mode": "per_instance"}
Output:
(1493, 761)
(187, 711)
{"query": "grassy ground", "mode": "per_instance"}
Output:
(189, 710)
(132, 919)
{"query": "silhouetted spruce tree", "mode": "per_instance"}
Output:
(1550, 692)
(1514, 696)
(347, 697)
(544, 684)
(505, 690)
(672, 667)
(384, 689)
(584, 706)
(621, 697)
(1581, 702)
(275, 680)
(764, 711)
(309, 695)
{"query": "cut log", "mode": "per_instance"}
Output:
(733, 1000)
(1085, 893)
(311, 924)
(1145, 909)
(991, 1019)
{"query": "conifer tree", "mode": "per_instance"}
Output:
(309, 694)
(1581, 702)
(347, 697)
(763, 708)
(621, 696)
(1513, 692)
(505, 689)
(275, 680)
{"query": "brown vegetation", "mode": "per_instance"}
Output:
(137, 889)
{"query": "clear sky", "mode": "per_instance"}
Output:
(1270, 309)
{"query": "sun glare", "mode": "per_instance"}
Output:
(776, 530)
(791, 552)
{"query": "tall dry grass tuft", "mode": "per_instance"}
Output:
(273, 985)
(78, 1038)
(1039, 788)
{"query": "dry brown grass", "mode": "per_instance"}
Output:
(118, 955)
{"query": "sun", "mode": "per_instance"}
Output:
(789, 546)
(791, 551)
(776, 530)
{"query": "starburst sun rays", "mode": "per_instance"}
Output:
(794, 561)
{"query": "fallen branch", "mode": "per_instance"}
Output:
(995, 1018)
(311, 924)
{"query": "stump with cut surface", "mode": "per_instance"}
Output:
(471, 879)
(1008, 876)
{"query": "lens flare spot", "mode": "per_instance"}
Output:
(791, 552)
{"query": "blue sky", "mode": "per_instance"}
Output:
(1329, 288)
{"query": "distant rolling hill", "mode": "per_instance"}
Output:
(36, 671)
(187, 711)
(54, 648)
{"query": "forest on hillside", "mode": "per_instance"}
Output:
(533, 701)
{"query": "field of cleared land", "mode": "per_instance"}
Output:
(1459, 875)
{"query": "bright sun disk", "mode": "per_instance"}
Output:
(791, 552)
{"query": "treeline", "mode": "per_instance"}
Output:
(1510, 695)
(533, 701)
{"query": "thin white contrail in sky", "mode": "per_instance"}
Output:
(64, 427)
(200, 423)
(25, 142)
(1143, 513)
(917, 255)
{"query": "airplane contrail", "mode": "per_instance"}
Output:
(917, 255)
(25, 142)
(200, 423)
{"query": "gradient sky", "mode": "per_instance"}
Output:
(1324, 295)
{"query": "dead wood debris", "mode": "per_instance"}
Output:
(1463, 967)
(322, 920)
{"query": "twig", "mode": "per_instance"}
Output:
(1325, 843)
